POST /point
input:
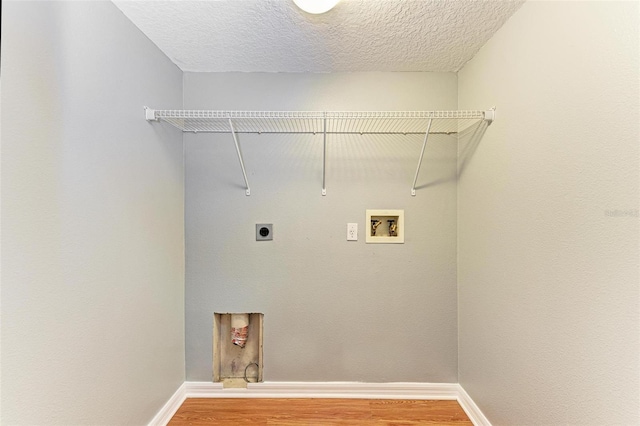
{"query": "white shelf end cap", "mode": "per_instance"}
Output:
(490, 115)
(150, 114)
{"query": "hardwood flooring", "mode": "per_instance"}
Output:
(287, 412)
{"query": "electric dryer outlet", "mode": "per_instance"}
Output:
(264, 232)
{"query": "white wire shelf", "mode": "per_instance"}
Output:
(322, 122)
(312, 122)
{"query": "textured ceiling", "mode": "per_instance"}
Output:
(357, 35)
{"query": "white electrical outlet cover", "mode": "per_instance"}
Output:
(352, 232)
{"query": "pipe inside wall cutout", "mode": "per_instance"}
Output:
(239, 329)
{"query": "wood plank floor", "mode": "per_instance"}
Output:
(286, 412)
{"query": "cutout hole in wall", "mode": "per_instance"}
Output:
(237, 348)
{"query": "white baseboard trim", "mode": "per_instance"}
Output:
(169, 409)
(422, 391)
(473, 411)
(326, 390)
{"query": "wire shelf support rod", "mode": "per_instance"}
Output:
(424, 145)
(244, 172)
(324, 155)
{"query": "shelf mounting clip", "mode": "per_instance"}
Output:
(150, 114)
(490, 115)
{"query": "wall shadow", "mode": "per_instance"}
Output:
(468, 141)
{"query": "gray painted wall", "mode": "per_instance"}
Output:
(334, 310)
(92, 219)
(548, 274)
(92, 223)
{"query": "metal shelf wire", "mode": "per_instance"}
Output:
(337, 122)
(322, 122)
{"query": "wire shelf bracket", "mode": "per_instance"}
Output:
(424, 145)
(326, 122)
(324, 156)
(239, 151)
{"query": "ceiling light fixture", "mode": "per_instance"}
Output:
(316, 6)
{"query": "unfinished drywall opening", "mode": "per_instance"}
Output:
(237, 348)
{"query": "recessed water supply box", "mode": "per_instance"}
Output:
(237, 348)
(385, 226)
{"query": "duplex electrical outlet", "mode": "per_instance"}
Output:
(352, 232)
(264, 232)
